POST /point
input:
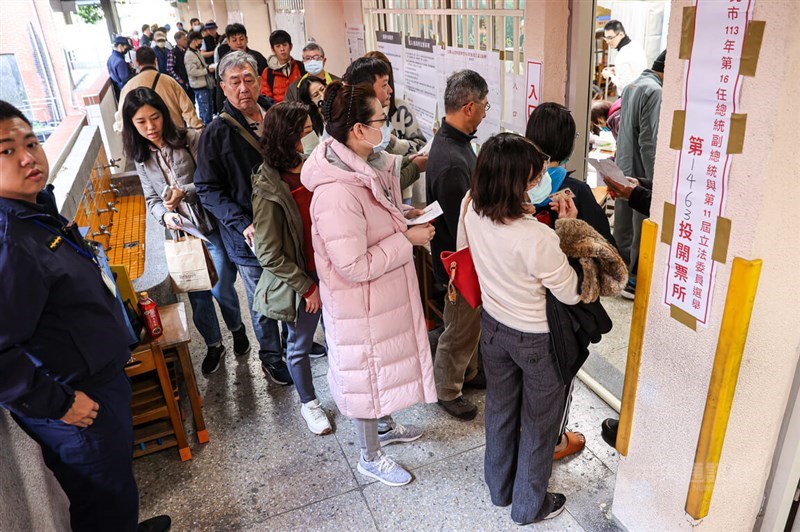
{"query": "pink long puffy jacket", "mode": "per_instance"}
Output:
(378, 352)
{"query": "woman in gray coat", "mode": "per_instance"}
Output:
(165, 160)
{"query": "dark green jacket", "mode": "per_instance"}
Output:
(278, 247)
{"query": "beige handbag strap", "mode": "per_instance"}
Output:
(244, 133)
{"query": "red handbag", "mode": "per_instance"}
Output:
(461, 268)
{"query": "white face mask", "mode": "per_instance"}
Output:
(386, 135)
(309, 142)
(313, 67)
(541, 191)
(197, 27)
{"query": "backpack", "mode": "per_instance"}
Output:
(271, 75)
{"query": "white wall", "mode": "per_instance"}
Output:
(763, 196)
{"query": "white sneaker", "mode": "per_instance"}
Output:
(385, 470)
(400, 434)
(316, 418)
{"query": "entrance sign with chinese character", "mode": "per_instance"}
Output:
(533, 87)
(711, 96)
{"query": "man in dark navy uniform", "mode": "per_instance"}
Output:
(63, 343)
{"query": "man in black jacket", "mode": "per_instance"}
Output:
(228, 154)
(450, 165)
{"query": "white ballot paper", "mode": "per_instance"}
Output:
(187, 226)
(607, 168)
(430, 212)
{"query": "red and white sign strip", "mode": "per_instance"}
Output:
(533, 87)
(711, 95)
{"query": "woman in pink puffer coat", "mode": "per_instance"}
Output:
(378, 352)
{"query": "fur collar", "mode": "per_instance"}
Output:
(604, 272)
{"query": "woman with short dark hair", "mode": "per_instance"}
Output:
(552, 130)
(379, 358)
(165, 158)
(517, 258)
(287, 290)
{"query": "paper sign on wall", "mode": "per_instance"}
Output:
(533, 87)
(711, 92)
(356, 45)
(419, 71)
(487, 64)
(391, 44)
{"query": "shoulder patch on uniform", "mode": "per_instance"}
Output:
(55, 243)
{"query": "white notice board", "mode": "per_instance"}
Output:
(391, 44)
(420, 77)
(487, 64)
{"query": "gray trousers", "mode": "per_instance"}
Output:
(367, 434)
(524, 409)
(456, 359)
(627, 233)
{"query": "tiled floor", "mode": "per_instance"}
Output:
(263, 470)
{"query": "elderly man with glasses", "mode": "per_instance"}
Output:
(630, 60)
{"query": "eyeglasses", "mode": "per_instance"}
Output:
(607, 38)
(384, 120)
(486, 106)
(313, 58)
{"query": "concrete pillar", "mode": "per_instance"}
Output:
(546, 38)
(254, 14)
(219, 12)
(762, 199)
(30, 497)
(325, 23)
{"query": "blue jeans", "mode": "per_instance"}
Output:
(299, 339)
(266, 329)
(205, 104)
(204, 315)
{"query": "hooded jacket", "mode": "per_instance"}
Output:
(274, 80)
(638, 129)
(378, 352)
(223, 180)
(61, 329)
(279, 247)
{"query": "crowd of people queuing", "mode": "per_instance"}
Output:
(300, 182)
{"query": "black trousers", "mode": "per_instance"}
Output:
(94, 464)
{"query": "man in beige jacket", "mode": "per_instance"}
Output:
(181, 108)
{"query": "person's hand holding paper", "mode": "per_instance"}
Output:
(608, 169)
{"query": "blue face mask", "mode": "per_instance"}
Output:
(313, 67)
(386, 135)
(541, 192)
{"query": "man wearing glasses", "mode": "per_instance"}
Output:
(314, 65)
(630, 60)
(450, 165)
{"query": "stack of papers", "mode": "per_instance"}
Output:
(607, 168)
